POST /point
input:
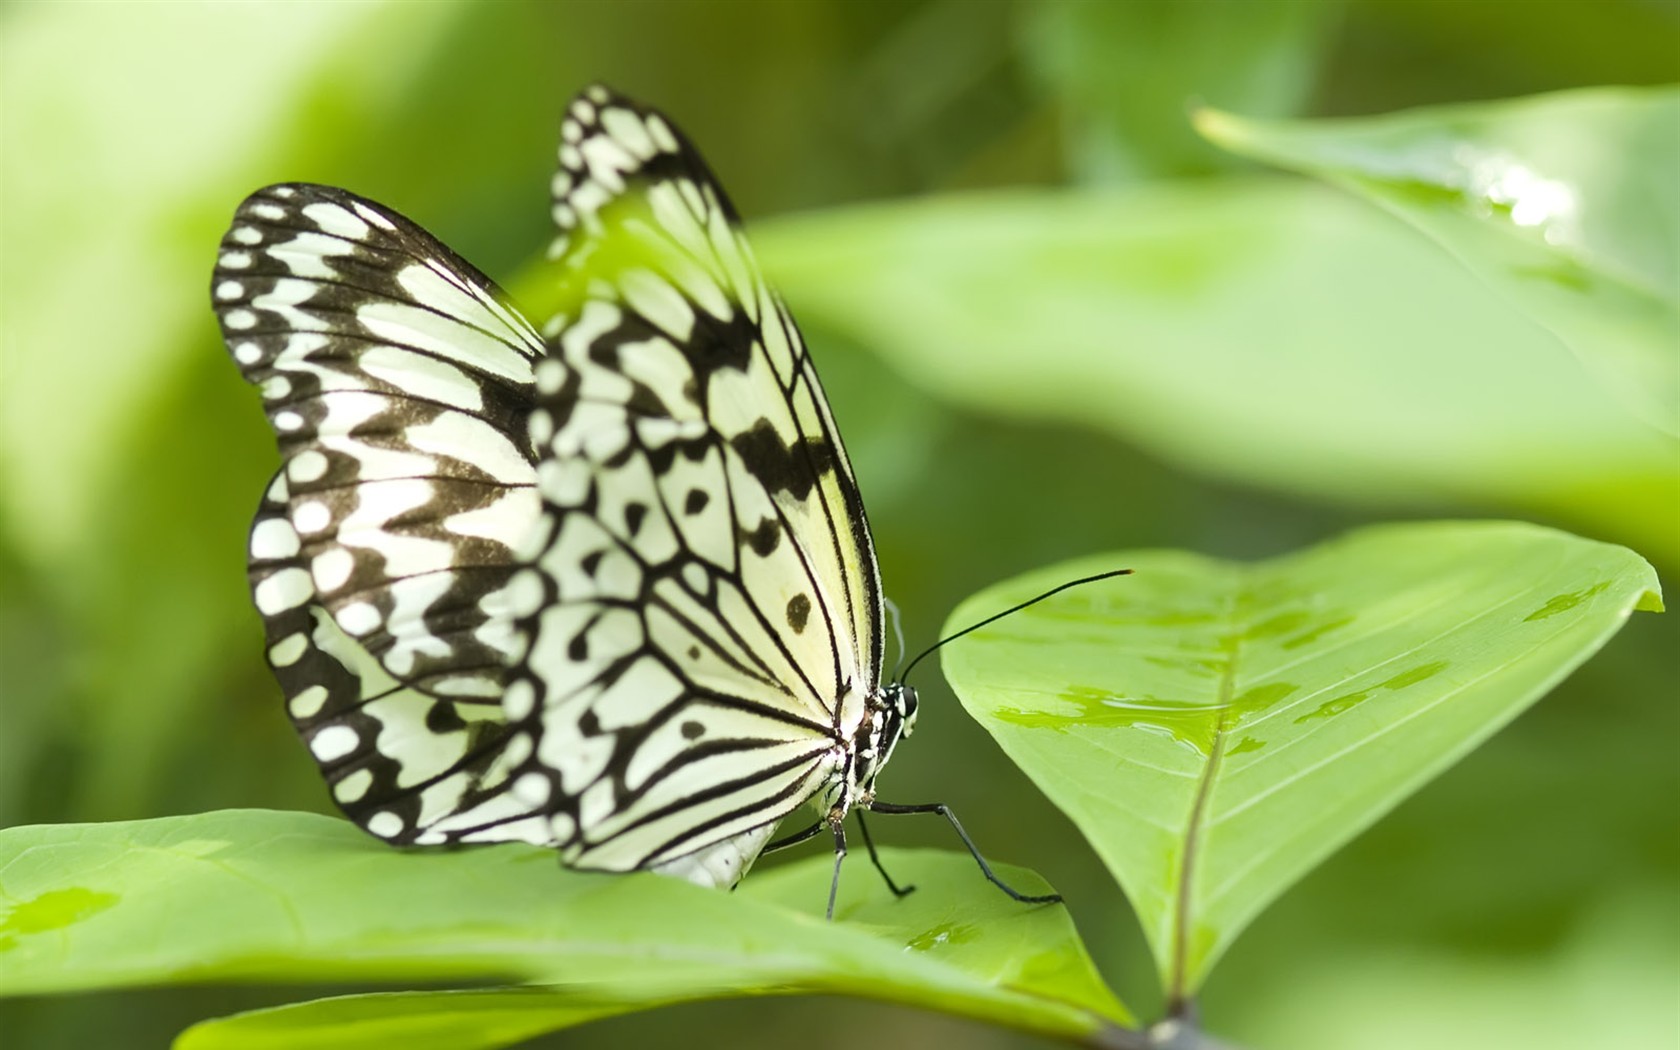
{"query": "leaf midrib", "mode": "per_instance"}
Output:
(1194, 830)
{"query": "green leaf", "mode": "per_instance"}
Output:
(1216, 729)
(1122, 74)
(445, 1020)
(1568, 204)
(255, 894)
(1274, 332)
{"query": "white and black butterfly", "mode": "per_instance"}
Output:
(609, 588)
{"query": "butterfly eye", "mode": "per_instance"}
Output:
(907, 707)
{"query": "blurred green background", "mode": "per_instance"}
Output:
(1282, 362)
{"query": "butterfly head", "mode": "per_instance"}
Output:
(901, 702)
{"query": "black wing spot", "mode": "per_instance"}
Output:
(696, 501)
(763, 539)
(798, 612)
(590, 562)
(694, 652)
(692, 730)
(578, 648)
(779, 467)
(634, 514)
(442, 717)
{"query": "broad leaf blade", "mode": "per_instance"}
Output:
(253, 894)
(1006, 954)
(1569, 204)
(1275, 332)
(1216, 729)
(445, 1020)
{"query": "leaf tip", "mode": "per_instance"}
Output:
(1216, 125)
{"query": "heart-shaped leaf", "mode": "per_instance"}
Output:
(1569, 204)
(293, 897)
(1216, 728)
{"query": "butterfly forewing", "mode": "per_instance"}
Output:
(703, 618)
(398, 383)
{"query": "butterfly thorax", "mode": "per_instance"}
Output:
(889, 715)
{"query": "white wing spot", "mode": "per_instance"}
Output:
(271, 212)
(386, 825)
(273, 538)
(333, 743)
(354, 786)
(542, 428)
(308, 465)
(533, 789)
(286, 652)
(627, 128)
(373, 216)
(229, 290)
(519, 700)
(313, 516)
(307, 704)
(550, 374)
(288, 421)
(662, 134)
(358, 618)
(336, 221)
(286, 589)
(246, 235)
(239, 320)
(332, 569)
(247, 353)
(518, 749)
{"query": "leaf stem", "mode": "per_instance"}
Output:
(1174, 1033)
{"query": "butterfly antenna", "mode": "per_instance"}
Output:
(898, 631)
(1082, 581)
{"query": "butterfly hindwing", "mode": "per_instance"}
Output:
(406, 766)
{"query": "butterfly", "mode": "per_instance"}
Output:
(608, 587)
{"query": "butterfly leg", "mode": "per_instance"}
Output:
(839, 829)
(875, 858)
(986, 869)
(796, 838)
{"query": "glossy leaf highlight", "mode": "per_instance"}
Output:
(1567, 204)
